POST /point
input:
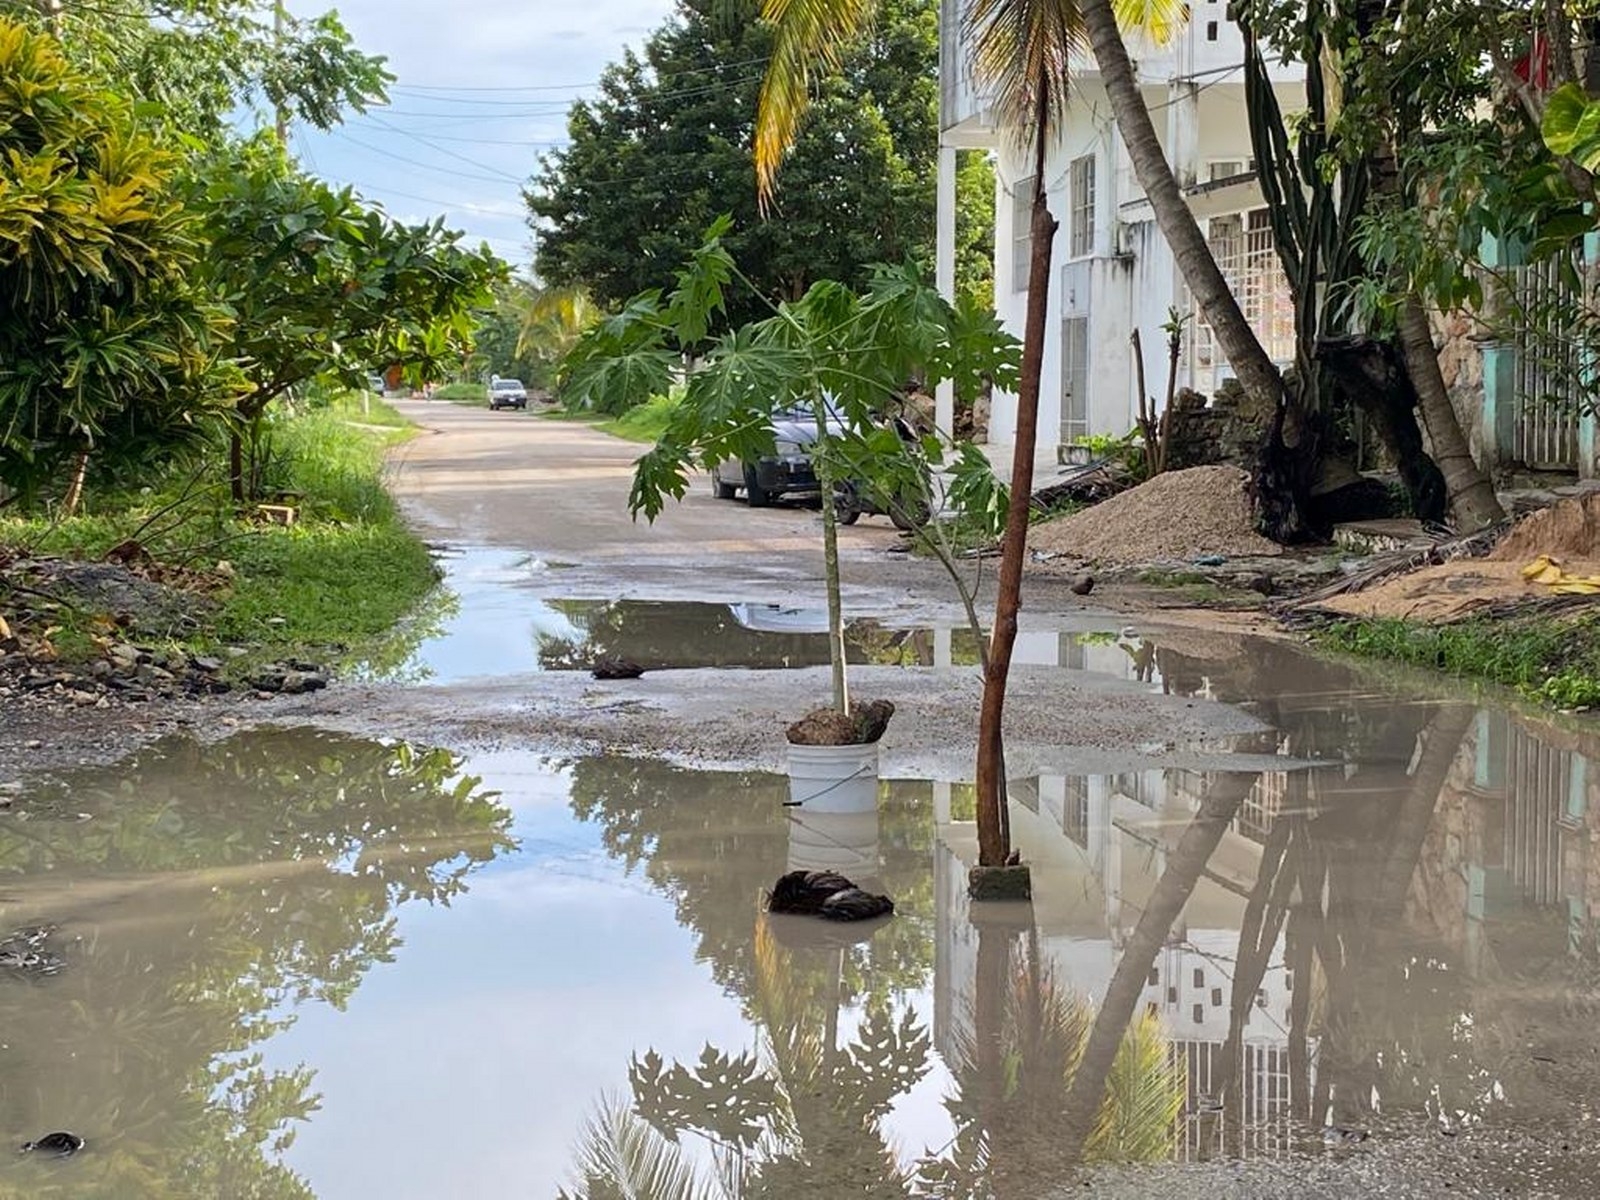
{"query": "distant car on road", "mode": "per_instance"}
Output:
(788, 471)
(507, 393)
(375, 384)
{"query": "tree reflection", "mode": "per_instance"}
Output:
(717, 853)
(210, 890)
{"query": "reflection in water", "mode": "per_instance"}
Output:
(663, 634)
(208, 891)
(1213, 965)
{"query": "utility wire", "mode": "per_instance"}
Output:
(500, 177)
(562, 87)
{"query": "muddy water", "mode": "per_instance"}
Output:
(303, 964)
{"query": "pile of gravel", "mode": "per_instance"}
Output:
(1178, 514)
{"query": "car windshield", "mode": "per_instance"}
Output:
(507, 384)
(803, 413)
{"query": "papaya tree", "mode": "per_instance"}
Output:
(840, 356)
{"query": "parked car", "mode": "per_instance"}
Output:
(788, 471)
(507, 393)
(376, 385)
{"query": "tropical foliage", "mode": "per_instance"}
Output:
(665, 146)
(323, 285)
(108, 336)
(841, 357)
(199, 63)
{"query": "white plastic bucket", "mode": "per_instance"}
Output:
(830, 841)
(834, 779)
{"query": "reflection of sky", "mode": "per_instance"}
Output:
(466, 1067)
(498, 626)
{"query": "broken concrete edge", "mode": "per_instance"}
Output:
(1000, 883)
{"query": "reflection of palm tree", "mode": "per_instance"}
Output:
(804, 1117)
(1016, 1069)
(1184, 866)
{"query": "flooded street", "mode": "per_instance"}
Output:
(302, 963)
(1299, 928)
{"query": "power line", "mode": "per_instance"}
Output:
(500, 177)
(417, 137)
(562, 87)
(445, 137)
(556, 107)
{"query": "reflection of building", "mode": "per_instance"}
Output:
(1507, 872)
(1098, 846)
(1438, 865)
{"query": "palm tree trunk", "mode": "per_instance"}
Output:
(1471, 494)
(1184, 865)
(994, 839)
(1256, 371)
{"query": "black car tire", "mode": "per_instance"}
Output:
(754, 494)
(909, 512)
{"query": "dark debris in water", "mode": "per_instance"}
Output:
(826, 894)
(60, 1144)
(26, 952)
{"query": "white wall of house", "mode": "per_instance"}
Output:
(1112, 271)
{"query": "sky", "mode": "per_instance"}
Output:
(482, 89)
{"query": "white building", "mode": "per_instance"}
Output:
(1112, 270)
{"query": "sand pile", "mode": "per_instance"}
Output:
(1568, 529)
(1178, 514)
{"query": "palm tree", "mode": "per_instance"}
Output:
(1470, 493)
(1021, 52)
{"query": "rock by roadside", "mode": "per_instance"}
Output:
(136, 682)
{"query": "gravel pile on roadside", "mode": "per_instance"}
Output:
(1178, 514)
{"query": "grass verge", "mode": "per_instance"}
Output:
(644, 422)
(463, 393)
(330, 586)
(1554, 660)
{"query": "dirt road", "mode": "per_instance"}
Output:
(559, 490)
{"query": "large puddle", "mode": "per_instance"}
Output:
(296, 964)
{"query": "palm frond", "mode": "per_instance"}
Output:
(621, 1157)
(1144, 1093)
(808, 36)
(1157, 20)
(1021, 54)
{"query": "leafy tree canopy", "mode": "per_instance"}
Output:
(199, 61)
(322, 284)
(107, 333)
(666, 146)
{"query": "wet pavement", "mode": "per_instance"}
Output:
(299, 962)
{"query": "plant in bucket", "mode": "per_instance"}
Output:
(840, 355)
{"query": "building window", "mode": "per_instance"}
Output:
(1216, 997)
(1199, 978)
(1211, 31)
(1229, 168)
(1154, 977)
(1243, 247)
(1021, 233)
(1081, 243)
(1075, 400)
(1172, 995)
(1199, 1014)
